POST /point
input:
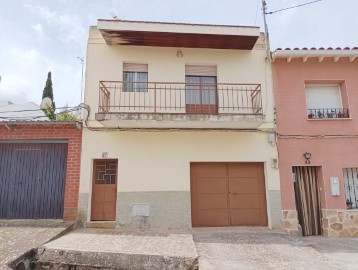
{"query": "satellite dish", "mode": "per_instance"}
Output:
(46, 103)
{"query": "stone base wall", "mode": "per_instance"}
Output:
(340, 223)
(290, 222)
(275, 208)
(168, 210)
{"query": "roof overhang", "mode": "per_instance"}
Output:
(179, 35)
(336, 54)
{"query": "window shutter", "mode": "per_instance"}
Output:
(323, 97)
(195, 70)
(135, 67)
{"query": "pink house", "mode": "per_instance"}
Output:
(316, 96)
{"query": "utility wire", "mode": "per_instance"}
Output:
(36, 110)
(29, 118)
(283, 9)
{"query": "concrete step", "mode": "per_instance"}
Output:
(109, 249)
(101, 224)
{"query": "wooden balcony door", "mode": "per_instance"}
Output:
(201, 95)
(104, 190)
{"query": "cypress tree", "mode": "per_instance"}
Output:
(48, 91)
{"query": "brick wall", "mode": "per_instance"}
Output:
(56, 131)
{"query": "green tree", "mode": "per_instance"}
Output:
(48, 91)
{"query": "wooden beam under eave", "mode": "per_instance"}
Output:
(320, 59)
(352, 58)
(304, 59)
(336, 59)
(289, 59)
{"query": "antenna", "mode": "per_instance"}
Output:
(113, 14)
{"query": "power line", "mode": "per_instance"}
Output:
(29, 118)
(283, 9)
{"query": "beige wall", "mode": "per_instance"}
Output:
(160, 161)
(105, 62)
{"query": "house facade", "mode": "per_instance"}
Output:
(181, 127)
(39, 165)
(315, 97)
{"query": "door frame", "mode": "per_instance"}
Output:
(92, 186)
(319, 202)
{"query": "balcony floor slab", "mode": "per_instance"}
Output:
(181, 121)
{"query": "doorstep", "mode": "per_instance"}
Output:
(101, 224)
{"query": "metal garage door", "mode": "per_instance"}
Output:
(228, 194)
(32, 180)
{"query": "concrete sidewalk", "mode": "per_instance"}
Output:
(115, 249)
(206, 248)
(233, 248)
(18, 237)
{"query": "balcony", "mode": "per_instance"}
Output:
(179, 105)
(335, 113)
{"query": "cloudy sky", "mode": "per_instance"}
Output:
(38, 36)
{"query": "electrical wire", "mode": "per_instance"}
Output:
(321, 136)
(301, 5)
(30, 118)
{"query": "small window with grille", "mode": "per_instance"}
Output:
(351, 187)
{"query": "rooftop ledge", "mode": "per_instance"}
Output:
(181, 121)
(336, 54)
(180, 35)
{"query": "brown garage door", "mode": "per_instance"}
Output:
(228, 194)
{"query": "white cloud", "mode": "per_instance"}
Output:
(68, 27)
(39, 31)
(25, 77)
(13, 87)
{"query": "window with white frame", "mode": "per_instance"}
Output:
(351, 187)
(324, 101)
(135, 77)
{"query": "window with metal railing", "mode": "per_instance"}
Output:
(324, 101)
(351, 187)
(327, 113)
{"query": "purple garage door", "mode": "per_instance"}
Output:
(32, 180)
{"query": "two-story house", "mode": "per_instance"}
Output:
(316, 97)
(181, 129)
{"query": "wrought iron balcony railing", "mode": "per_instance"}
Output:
(327, 113)
(184, 98)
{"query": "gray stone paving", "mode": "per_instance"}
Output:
(260, 249)
(216, 248)
(15, 240)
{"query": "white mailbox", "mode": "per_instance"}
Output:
(141, 209)
(335, 186)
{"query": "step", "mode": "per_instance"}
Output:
(109, 249)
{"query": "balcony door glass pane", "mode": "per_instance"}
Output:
(200, 90)
(209, 90)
